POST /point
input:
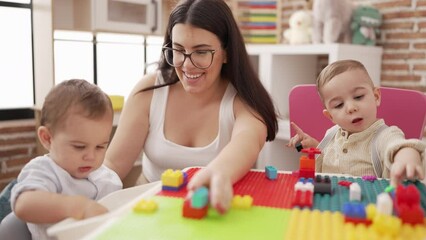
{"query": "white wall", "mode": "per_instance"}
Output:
(43, 49)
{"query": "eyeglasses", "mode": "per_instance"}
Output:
(200, 58)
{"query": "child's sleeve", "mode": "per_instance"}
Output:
(36, 175)
(391, 141)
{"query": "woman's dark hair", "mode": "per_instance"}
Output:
(216, 17)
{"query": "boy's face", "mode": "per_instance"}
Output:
(79, 144)
(351, 101)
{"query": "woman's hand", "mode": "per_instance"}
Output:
(220, 188)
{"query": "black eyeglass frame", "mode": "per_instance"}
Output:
(188, 55)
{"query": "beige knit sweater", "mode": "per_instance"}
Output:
(352, 154)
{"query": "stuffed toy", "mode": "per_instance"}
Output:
(366, 21)
(300, 31)
(331, 21)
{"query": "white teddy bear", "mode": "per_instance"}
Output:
(300, 31)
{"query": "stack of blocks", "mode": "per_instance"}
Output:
(307, 164)
(197, 206)
(173, 180)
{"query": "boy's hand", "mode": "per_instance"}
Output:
(220, 188)
(89, 208)
(306, 140)
(407, 165)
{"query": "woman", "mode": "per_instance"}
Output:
(205, 106)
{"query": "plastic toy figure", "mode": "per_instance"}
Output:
(366, 21)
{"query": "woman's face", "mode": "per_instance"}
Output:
(189, 39)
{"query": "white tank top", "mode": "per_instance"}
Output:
(162, 154)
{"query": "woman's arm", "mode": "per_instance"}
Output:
(235, 160)
(129, 138)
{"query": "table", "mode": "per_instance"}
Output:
(271, 217)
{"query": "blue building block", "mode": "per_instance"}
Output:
(200, 198)
(271, 172)
(354, 210)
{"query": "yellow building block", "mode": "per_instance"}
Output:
(145, 206)
(242, 202)
(172, 178)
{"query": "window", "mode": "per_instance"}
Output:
(16, 60)
(115, 62)
(73, 56)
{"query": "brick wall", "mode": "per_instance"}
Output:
(17, 147)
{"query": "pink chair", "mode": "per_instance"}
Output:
(403, 108)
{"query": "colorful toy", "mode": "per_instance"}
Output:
(299, 146)
(190, 212)
(407, 204)
(355, 212)
(307, 164)
(370, 178)
(271, 215)
(200, 198)
(271, 172)
(384, 204)
(322, 185)
(173, 180)
(365, 25)
(242, 202)
(354, 192)
(145, 206)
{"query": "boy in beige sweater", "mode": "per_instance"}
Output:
(360, 143)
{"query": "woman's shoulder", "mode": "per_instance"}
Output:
(146, 81)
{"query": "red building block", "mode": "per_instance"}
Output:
(190, 212)
(306, 163)
(311, 152)
(407, 204)
(303, 199)
(306, 173)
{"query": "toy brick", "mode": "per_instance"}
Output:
(354, 210)
(344, 183)
(411, 214)
(322, 188)
(172, 178)
(384, 204)
(385, 224)
(355, 192)
(200, 198)
(271, 172)
(306, 173)
(242, 202)
(306, 163)
(311, 152)
(370, 178)
(302, 199)
(145, 206)
(190, 212)
(174, 189)
(299, 146)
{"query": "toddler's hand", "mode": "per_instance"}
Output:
(306, 140)
(220, 188)
(407, 165)
(89, 208)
